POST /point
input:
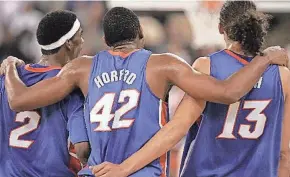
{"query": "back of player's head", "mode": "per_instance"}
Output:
(243, 23)
(54, 29)
(121, 25)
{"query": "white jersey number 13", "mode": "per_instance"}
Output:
(256, 115)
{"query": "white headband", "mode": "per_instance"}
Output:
(64, 38)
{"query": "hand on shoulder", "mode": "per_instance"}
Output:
(10, 61)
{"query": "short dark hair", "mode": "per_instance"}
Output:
(244, 24)
(53, 26)
(121, 25)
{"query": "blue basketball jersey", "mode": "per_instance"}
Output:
(35, 143)
(242, 139)
(121, 112)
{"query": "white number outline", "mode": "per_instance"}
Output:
(231, 117)
(119, 122)
(17, 133)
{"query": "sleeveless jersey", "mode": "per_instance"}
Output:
(35, 143)
(121, 112)
(242, 139)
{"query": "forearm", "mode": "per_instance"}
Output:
(44, 93)
(204, 87)
(162, 142)
(284, 167)
(12, 80)
(186, 114)
(237, 85)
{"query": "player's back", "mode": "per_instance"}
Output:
(121, 112)
(34, 143)
(242, 139)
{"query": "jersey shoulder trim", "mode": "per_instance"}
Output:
(41, 70)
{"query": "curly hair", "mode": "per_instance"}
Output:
(244, 24)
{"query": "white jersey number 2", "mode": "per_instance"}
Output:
(256, 115)
(14, 139)
(102, 111)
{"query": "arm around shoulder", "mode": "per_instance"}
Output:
(44, 93)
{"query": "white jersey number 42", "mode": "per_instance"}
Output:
(102, 111)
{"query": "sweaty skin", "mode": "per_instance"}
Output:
(169, 68)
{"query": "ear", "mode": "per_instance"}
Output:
(221, 29)
(105, 42)
(141, 35)
(68, 44)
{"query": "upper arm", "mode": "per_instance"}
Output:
(201, 65)
(191, 108)
(188, 111)
(285, 77)
(284, 166)
(193, 82)
(76, 122)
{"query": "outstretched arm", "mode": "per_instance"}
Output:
(44, 93)
(201, 86)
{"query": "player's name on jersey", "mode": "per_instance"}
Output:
(259, 83)
(115, 76)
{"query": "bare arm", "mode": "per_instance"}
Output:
(44, 93)
(201, 86)
(284, 165)
(188, 111)
(186, 114)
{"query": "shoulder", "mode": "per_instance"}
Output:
(167, 61)
(202, 64)
(81, 61)
(285, 78)
(167, 57)
(77, 66)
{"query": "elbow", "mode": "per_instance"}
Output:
(15, 104)
(285, 160)
(285, 157)
(231, 96)
(230, 99)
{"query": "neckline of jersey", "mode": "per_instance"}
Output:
(237, 57)
(122, 54)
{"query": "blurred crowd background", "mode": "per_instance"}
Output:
(186, 28)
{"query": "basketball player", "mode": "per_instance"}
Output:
(238, 140)
(125, 88)
(35, 143)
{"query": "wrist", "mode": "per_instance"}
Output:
(127, 168)
(265, 59)
(11, 64)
